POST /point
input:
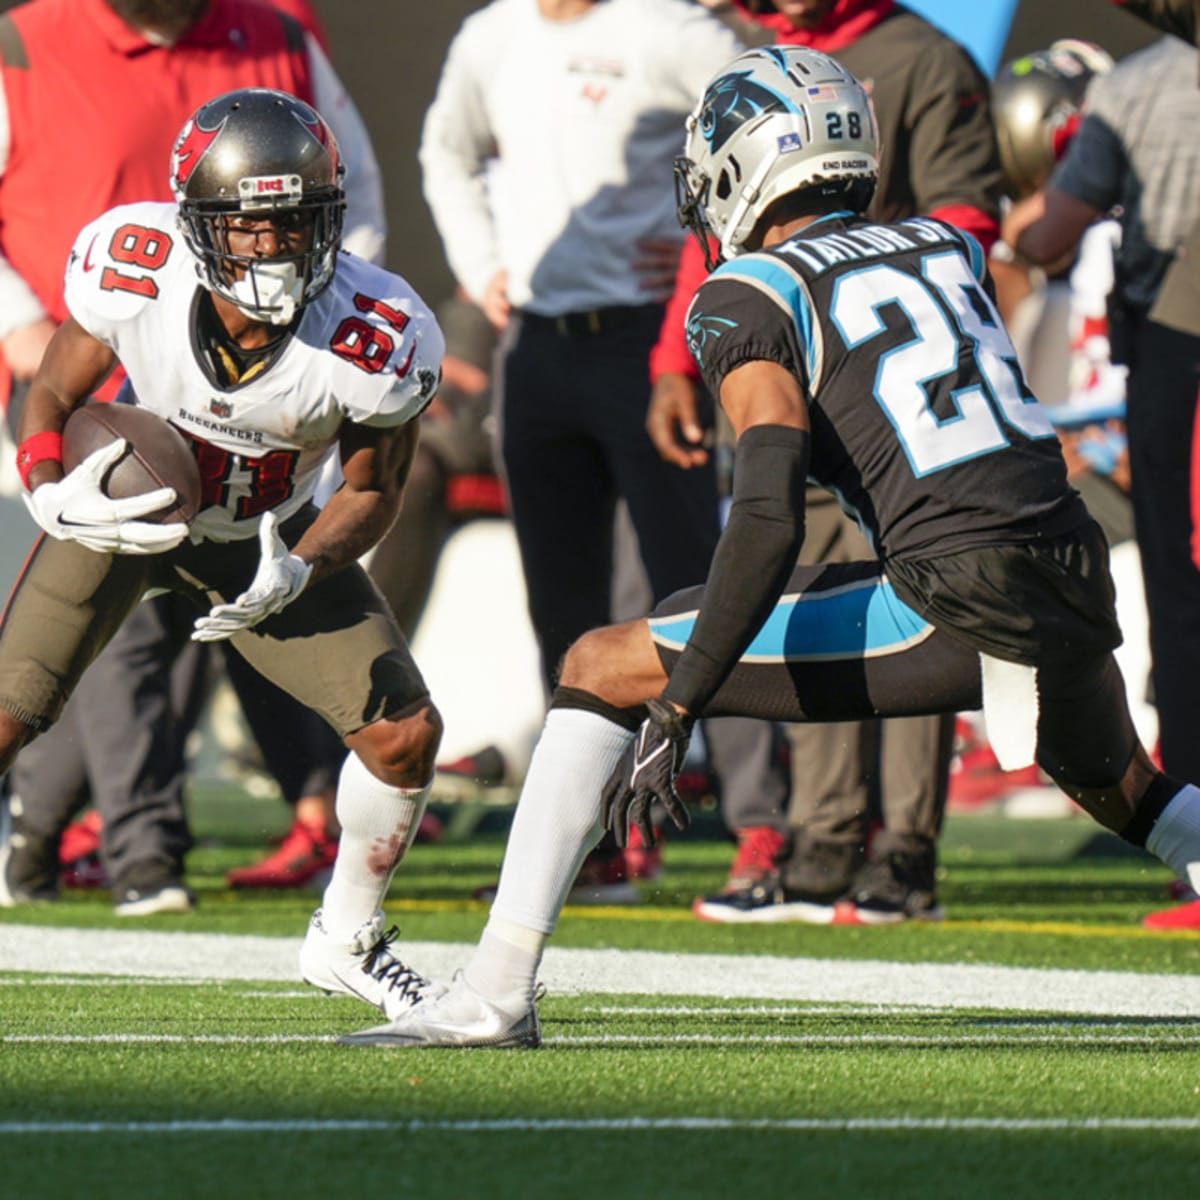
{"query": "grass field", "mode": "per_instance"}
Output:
(1036, 1043)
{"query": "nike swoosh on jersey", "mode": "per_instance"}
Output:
(88, 265)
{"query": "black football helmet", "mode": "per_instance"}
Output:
(1037, 101)
(259, 151)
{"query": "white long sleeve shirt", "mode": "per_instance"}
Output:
(548, 149)
(366, 224)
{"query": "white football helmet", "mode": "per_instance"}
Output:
(775, 120)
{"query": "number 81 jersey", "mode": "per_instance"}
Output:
(922, 423)
(367, 350)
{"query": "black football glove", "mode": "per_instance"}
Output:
(646, 773)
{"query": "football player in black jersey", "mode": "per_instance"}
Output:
(871, 359)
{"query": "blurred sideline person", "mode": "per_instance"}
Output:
(453, 474)
(546, 157)
(1057, 319)
(1133, 153)
(854, 784)
(147, 65)
(1172, 330)
(238, 292)
(452, 537)
(1038, 101)
(871, 358)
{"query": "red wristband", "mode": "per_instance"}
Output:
(37, 448)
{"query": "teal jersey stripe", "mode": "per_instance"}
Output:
(770, 276)
(865, 619)
(976, 254)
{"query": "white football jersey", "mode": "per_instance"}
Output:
(367, 350)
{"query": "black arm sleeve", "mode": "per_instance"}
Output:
(753, 560)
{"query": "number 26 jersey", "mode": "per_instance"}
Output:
(922, 423)
(367, 350)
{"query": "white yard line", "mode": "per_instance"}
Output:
(626, 1125)
(192, 956)
(815, 1040)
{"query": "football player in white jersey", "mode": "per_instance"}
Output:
(240, 321)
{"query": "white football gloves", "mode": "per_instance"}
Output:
(76, 509)
(280, 578)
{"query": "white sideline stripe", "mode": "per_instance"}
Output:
(621, 1125)
(975, 1040)
(790, 1010)
(876, 1039)
(214, 956)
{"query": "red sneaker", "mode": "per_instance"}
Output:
(305, 859)
(81, 838)
(1186, 916)
(756, 861)
(603, 879)
(430, 829)
(642, 861)
(79, 860)
(977, 780)
(1180, 890)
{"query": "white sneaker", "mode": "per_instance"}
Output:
(364, 967)
(138, 902)
(459, 1017)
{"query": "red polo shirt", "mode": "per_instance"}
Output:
(94, 110)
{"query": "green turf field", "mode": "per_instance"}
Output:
(1036, 1043)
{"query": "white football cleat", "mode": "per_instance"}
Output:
(459, 1017)
(364, 967)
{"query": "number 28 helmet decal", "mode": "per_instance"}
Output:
(258, 152)
(775, 120)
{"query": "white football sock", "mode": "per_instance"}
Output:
(1175, 837)
(506, 961)
(378, 824)
(556, 823)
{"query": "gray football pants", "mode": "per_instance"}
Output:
(121, 737)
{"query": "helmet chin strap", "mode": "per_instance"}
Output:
(269, 291)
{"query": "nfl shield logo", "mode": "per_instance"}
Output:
(788, 142)
(220, 408)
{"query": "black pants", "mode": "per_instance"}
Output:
(1163, 383)
(572, 411)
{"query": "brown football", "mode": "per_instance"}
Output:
(157, 456)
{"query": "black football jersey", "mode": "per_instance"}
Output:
(922, 423)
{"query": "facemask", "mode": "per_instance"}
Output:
(270, 291)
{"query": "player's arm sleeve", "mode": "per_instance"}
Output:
(402, 389)
(366, 221)
(954, 161)
(749, 310)
(752, 563)
(1172, 16)
(456, 145)
(19, 305)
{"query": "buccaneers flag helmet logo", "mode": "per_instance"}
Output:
(190, 148)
